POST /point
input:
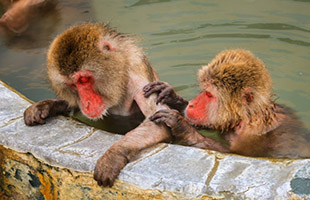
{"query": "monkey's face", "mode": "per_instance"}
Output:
(200, 110)
(91, 103)
(87, 70)
(235, 85)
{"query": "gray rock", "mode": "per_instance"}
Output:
(165, 168)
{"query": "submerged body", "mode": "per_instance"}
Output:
(236, 100)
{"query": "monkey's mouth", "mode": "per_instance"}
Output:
(94, 113)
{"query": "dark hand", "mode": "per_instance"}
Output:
(174, 120)
(109, 166)
(39, 112)
(166, 95)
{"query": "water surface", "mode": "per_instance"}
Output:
(180, 36)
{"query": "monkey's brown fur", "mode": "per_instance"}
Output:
(241, 107)
(113, 70)
(235, 74)
(79, 48)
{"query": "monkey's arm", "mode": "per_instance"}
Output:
(166, 95)
(184, 132)
(120, 153)
(40, 111)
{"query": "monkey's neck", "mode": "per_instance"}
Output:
(262, 122)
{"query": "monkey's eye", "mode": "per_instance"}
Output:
(209, 94)
(84, 79)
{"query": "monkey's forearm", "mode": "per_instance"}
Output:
(60, 107)
(188, 135)
(120, 153)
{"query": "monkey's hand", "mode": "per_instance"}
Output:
(39, 112)
(166, 95)
(109, 166)
(174, 120)
(184, 132)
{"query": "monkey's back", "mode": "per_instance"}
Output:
(291, 139)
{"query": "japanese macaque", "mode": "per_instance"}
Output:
(20, 13)
(100, 71)
(236, 100)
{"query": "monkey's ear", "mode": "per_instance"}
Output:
(247, 95)
(108, 46)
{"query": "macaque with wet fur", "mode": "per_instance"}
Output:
(236, 100)
(97, 70)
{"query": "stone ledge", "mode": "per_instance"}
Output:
(56, 161)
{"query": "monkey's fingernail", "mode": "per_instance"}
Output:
(157, 121)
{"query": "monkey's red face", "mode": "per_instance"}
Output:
(198, 109)
(91, 103)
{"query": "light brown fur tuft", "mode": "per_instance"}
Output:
(235, 73)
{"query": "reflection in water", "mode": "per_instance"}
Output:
(29, 24)
(23, 56)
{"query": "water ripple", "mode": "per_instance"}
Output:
(147, 2)
(228, 35)
(297, 42)
(262, 26)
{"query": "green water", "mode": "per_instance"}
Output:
(179, 37)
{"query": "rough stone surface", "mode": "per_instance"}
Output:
(56, 161)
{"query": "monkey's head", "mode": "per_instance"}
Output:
(235, 86)
(87, 66)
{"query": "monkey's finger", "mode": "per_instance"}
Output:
(155, 89)
(28, 122)
(44, 114)
(98, 177)
(99, 182)
(38, 119)
(110, 182)
(104, 181)
(164, 95)
(167, 120)
(151, 85)
(160, 121)
(159, 114)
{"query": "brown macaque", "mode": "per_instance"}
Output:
(236, 100)
(20, 13)
(99, 71)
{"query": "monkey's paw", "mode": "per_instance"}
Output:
(166, 94)
(108, 167)
(37, 113)
(168, 117)
(174, 120)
